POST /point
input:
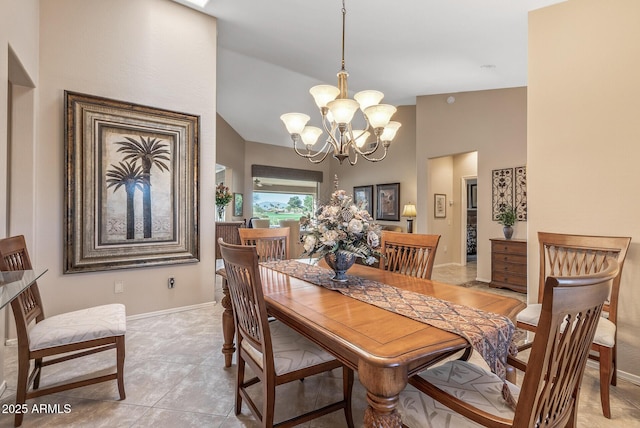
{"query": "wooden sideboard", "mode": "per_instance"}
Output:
(509, 264)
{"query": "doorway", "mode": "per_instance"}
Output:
(469, 216)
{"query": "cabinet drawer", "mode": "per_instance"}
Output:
(510, 247)
(500, 268)
(509, 278)
(509, 258)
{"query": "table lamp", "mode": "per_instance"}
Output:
(409, 211)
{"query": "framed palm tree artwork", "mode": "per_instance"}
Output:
(131, 185)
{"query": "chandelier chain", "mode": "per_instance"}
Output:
(344, 15)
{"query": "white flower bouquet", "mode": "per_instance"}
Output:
(341, 225)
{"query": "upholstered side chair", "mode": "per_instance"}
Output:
(275, 353)
(464, 394)
(571, 255)
(64, 337)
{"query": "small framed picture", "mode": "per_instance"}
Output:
(440, 205)
(364, 195)
(237, 205)
(388, 202)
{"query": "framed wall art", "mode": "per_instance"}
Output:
(131, 194)
(439, 205)
(237, 205)
(502, 191)
(388, 202)
(364, 195)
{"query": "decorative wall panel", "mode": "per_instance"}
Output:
(502, 194)
(520, 190)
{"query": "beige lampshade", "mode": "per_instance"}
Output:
(389, 132)
(310, 135)
(322, 94)
(379, 115)
(343, 109)
(409, 210)
(368, 98)
(295, 122)
(360, 136)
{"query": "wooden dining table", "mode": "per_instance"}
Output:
(384, 347)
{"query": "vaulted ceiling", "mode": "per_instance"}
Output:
(271, 52)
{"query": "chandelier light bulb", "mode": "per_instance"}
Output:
(295, 122)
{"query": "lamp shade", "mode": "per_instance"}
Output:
(295, 122)
(360, 137)
(409, 211)
(368, 98)
(389, 132)
(310, 135)
(322, 94)
(379, 115)
(343, 109)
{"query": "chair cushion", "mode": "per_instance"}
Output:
(79, 326)
(605, 332)
(467, 381)
(530, 315)
(291, 350)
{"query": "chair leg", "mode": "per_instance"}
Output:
(21, 388)
(269, 405)
(606, 361)
(120, 365)
(38, 369)
(347, 389)
(239, 383)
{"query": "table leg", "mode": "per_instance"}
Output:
(228, 327)
(383, 387)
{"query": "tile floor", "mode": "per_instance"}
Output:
(175, 378)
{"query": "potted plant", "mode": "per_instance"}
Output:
(507, 218)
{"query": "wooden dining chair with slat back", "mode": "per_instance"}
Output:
(464, 394)
(571, 255)
(271, 244)
(410, 254)
(74, 334)
(275, 353)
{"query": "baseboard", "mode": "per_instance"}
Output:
(487, 281)
(447, 264)
(634, 379)
(170, 311)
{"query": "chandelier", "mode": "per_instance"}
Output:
(337, 111)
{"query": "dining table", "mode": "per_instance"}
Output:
(384, 347)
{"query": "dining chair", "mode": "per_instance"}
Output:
(570, 255)
(271, 244)
(295, 246)
(275, 353)
(74, 334)
(410, 254)
(463, 394)
(261, 223)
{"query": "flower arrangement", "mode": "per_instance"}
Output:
(341, 225)
(223, 196)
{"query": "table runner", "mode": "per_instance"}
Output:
(490, 334)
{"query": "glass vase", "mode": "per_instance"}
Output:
(219, 212)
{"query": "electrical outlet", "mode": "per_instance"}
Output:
(172, 282)
(118, 287)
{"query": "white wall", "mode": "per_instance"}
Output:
(584, 138)
(151, 52)
(493, 123)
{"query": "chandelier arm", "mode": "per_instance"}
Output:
(384, 155)
(355, 159)
(368, 152)
(311, 157)
(332, 139)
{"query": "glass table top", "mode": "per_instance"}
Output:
(14, 282)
